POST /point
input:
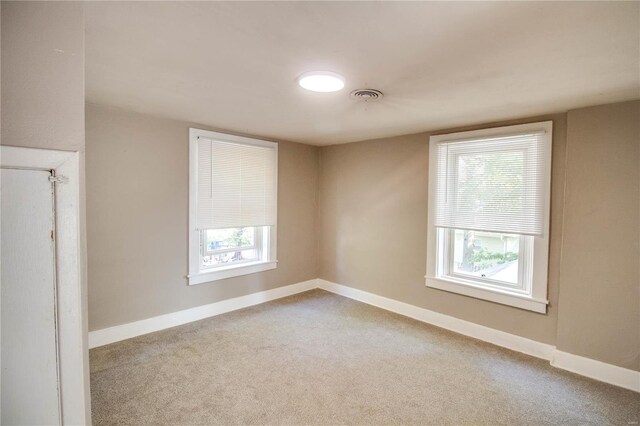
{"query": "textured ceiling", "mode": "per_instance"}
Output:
(233, 65)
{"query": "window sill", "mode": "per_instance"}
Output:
(231, 271)
(497, 296)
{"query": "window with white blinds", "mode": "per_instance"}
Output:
(236, 184)
(488, 234)
(233, 184)
(493, 183)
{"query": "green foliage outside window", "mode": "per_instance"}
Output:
(484, 258)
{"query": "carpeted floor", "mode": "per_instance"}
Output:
(319, 358)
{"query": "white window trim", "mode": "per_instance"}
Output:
(537, 300)
(196, 276)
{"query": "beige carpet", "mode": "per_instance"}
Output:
(318, 358)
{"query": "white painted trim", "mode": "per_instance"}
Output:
(597, 370)
(539, 265)
(34, 158)
(73, 353)
(496, 337)
(232, 271)
(608, 373)
(138, 328)
(195, 276)
(492, 295)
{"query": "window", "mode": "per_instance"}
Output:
(232, 205)
(488, 231)
(232, 246)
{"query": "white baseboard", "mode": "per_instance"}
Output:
(597, 370)
(497, 337)
(149, 325)
(608, 373)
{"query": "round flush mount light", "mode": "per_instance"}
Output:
(321, 81)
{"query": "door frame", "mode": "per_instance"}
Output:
(73, 353)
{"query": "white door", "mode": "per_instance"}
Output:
(29, 382)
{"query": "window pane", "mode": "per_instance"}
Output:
(220, 239)
(230, 246)
(486, 255)
(230, 258)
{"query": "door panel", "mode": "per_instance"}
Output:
(29, 383)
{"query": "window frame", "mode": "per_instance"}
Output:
(534, 270)
(268, 237)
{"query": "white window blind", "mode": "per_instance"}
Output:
(493, 184)
(236, 184)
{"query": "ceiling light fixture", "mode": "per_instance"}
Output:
(321, 81)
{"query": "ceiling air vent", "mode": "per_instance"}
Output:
(366, 95)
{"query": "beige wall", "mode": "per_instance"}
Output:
(42, 106)
(373, 228)
(137, 204)
(600, 269)
(373, 223)
(43, 75)
(356, 214)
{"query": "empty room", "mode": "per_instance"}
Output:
(320, 213)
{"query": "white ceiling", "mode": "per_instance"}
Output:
(233, 65)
